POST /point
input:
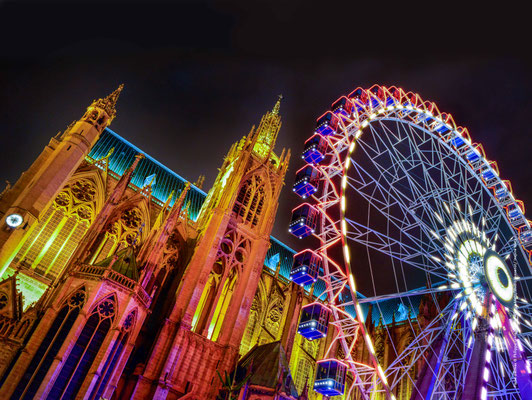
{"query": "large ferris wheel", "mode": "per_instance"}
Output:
(402, 202)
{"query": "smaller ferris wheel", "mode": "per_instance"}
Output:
(401, 201)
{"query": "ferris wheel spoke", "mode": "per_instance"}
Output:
(394, 248)
(418, 165)
(455, 359)
(409, 222)
(423, 343)
(412, 293)
(408, 202)
(452, 186)
(501, 383)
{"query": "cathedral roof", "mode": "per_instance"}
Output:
(268, 367)
(125, 264)
(165, 181)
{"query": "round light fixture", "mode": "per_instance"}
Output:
(499, 277)
(14, 220)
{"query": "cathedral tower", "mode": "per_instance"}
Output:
(26, 209)
(203, 331)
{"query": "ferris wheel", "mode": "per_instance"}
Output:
(403, 203)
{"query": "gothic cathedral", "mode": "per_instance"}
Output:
(119, 279)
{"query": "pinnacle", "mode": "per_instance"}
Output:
(113, 97)
(277, 105)
(108, 104)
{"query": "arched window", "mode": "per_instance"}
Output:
(49, 347)
(250, 200)
(123, 230)
(113, 358)
(52, 242)
(273, 319)
(222, 305)
(304, 373)
(75, 368)
(252, 328)
(205, 304)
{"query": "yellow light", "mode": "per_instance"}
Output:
(353, 286)
(346, 254)
(370, 345)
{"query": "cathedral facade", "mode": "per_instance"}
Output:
(121, 280)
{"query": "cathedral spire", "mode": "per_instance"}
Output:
(108, 104)
(265, 135)
(277, 105)
(124, 181)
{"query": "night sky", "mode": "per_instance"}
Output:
(199, 74)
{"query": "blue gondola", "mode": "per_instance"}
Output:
(330, 377)
(395, 96)
(443, 127)
(342, 107)
(378, 94)
(501, 191)
(304, 221)
(513, 211)
(327, 124)
(305, 267)
(458, 141)
(307, 181)
(489, 176)
(410, 103)
(526, 237)
(473, 157)
(359, 98)
(427, 114)
(314, 150)
(515, 215)
(314, 321)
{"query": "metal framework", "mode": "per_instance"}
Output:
(427, 215)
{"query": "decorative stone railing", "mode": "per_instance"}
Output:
(92, 271)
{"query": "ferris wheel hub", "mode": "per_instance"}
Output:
(498, 277)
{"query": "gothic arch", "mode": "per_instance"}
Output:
(174, 250)
(225, 296)
(62, 225)
(261, 293)
(75, 367)
(107, 371)
(234, 248)
(252, 197)
(256, 316)
(128, 224)
(95, 176)
(69, 294)
(274, 315)
(49, 347)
